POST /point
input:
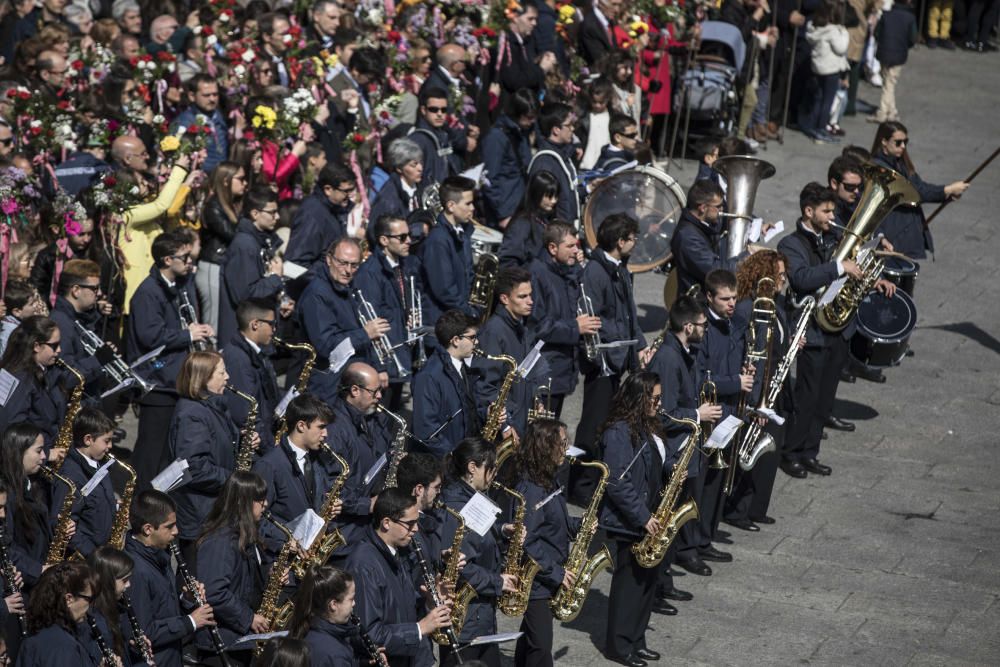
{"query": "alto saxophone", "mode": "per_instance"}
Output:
(326, 543)
(464, 595)
(301, 383)
(119, 528)
(245, 452)
(60, 536)
(277, 617)
(515, 604)
(567, 602)
(64, 439)
(498, 408)
(651, 549)
(398, 448)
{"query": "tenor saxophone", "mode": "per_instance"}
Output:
(60, 536)
(651, 549)
(64, 439)
(277, 617)
(301, 383)
(567, 602)
(325, 544)
(464, 595)
(119, 528)
(245, 452)
(524, 569)
(498, 408)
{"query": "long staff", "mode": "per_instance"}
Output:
(982, 166)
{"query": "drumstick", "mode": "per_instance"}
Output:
(985, 164)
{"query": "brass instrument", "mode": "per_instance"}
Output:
(542, 409)
(709, 394)
(301, 383)
(743, 175)
(484, 282)
(397, 450)
(384, 349)
(884, 190)
(117, 369)
(658, 341)
(416, 316)
(650, 550)
(120, 527)
(567, 602)
(277, 617)
(375, 656)
(64, 438)
(137, 632)
(444, 636)
(430, 199)
(108, 655)
(518, 565)
(60, 535)
(498, 408)
(464, 595)
(193, 589)
(592, 342)
(188, 316)
(246, 448)
(10, 585)
(329, 541)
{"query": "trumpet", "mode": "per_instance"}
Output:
(542, 409)
(189, 316)
(116, 368)
(416, 308)
(591, 342)
(383, 348)
(709, 394)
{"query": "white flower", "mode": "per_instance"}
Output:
(212, 40)
(134, 191)
(158, 119)
(197, 30)
(248, 56)
(287, 39)
(36, 123)
(223, 18)
(240, 70)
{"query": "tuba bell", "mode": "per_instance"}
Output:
(743, 175)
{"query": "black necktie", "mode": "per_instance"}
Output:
(269, 383)
(399, 283)
(310, 478)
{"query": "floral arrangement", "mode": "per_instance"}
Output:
(43, 128)
(19, 193)
(188, 140)
(69, 216)
(114, 194)
(147, 68)
(296, 109)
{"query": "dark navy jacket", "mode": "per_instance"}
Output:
(722, 352)
(251, 372)
(391, 200)
(904, 226)
(555, 290)
(316, 225)
(386, 600)
(93, 514)
(506, 155)
(156, 602)
(522, 240)
(234, 582)
(680, 382)
(333, 644)
(440, 159)
(79, 172)
(612, 158)
(56, 647)
(287, 497)
(502, 334)
(483, 563)
(203, 433)
(895, 34)
(568, 207)
(28, 556)
(377, 281)
(610, 290)
(549, 531)
(636, 477)
(328, 313)
(72, 352)
(438, 393)
(160, 324)
(42, 405)
(698, 250)
(447, 266)
(243, 268)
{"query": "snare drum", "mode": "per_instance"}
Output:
(901, 271)
(884, 328)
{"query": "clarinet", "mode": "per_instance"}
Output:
(137, 632)
(431, 584)
(9, 578)
(377, 657)
(192, 586)
(110, 659)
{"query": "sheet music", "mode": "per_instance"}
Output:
(496, 639)
(171, 477)
(292, 270)
(8, 383)
(832, 291)
(306, 528)
(753, 234)
(723, 432)
(778, 227)
(149, 356)
(260, 637)
(341, 355)
(617, 343)
(290, 396)
(573, 450)
(101, 473)
(530, 359)
(480, 513)
(545, 501)
(771, 415)
(374, 470)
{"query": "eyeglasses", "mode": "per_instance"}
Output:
(54, 346)
(372, 392)
(345, 263)
(88, 598)
(95, 288)
(402, 238)
(630, 135)
(472, 337)
(7, 142)
(851, 187)
(348, 191)
(185, 258)
(410, 525)
(900, 142)
(437, 109)
(270, 211)
(271, 323)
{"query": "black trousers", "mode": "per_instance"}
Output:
(597, 394)
(690, 539)
(816, 382)
(488, 654)
(151, 455)
(534, 648)
(751, 494)
(711, 503)
(630, 603)
(556, 404)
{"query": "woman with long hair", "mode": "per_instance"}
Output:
(904, 226)
(204, 434)
(112, 570)
(230, 563)
(227, 184)
(635, 452)
(522, 240)
(287, 652)
(324, 604)
(57, 613)
(26, 526)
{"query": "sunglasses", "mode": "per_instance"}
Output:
(900, 142)
(186, 257)
(437, 109)
(95, 288)
(402, 238)
(7, 142)
(54, 346)
(631, 135)
(88, 598)
(271, 323)
(851, 187)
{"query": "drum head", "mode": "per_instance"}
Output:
(647, 194)
(886, 320)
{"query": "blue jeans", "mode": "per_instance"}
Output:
(819, 115)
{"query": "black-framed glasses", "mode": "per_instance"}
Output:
(373, 392)
(437, 109)
(472, 337)
(270, 211)
(900, 142)
(53, 346)
(410, 525)
(851, 187)
(345, 263)
(271, 323)
(630, 135)
(95, 288)
(402, 238)
(83, 596)
(185, 258)
(348, 191)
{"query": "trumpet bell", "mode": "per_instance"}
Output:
(718, 461)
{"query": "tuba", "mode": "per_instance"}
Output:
(884, 190)
(515, 604)
(743, 175)
(64, 438)
(301, 383)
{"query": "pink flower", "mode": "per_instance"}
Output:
(71, 226)
(9, 206)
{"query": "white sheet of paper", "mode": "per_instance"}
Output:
(374, 470)
(306, 527)
(8, 383)
(832, 291)
(149, 356)
(101, 473)
(293, 270)
(771, 415)
(779, 227)
(545, 501)
(496, 639)
(617, 343)
(480, 513)
(260, 637)
(289, 396)
(723, 432)
(121, 386)
(530, 359)
(753, 234)
(475, 173)
(171, 476)
(573, 450)
(341, 354)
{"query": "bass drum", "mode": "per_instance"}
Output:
(902, 271)
(884, 328)
(651, 196)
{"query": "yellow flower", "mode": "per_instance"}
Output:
(256, 121)
(566, 14)
(169, 144)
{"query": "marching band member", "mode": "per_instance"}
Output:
(12, 606)
(56, 619)
(434, 138)
(523, 238)
(401, 194)
(447, 252)
(112, 570)
(697, 244)
(21, 301)
(324, 605)
(421, 474)
(555, 154)
(77, 305)
(637, 455)
(506, 154)
(322, 217)
(248, 362)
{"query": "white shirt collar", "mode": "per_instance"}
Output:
(616, 262)
(451, 80)
(253, 346)
(410, 191)
(457, 363)
(713, 315)
(600, 16)
(93, 464)
(169, 284)
(392, 263)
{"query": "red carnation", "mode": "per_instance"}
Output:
(77, 65)
(110, 181)
(358, 137)
(165, 56)
(394, 36)
(193, 129)
(63, 105)
(133, 61)
(24, 95)
(36, 131)
(207, 130)
(12, 93)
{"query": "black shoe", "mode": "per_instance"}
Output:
(969, 46)
(847, 376)
(648, 653)
(695, 566)
(744, 524)
(794, 469)
(946, 44)
(909, 352)
(823, 436)
(812, 465)
(661, 606)
(631, 660)
(764, 520)
(713, 554)
(675, 594)
(931, 43)
(989, 48)
(871, 374)
(839, 424)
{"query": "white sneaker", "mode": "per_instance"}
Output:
(876, 80)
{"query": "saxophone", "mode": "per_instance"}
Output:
(64, 439)
(651, 549)
(498, 408)
(567, 602)
(464, 595)
(245, 452)
(119, 528)
(325, 544)
(60, 536)
(301, 383)
(398, 448)
(515, 604)
(277, 617)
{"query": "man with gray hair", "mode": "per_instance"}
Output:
(402, 193)
(128, 16)
(325, 21)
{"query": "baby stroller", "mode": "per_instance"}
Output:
(709, 98)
